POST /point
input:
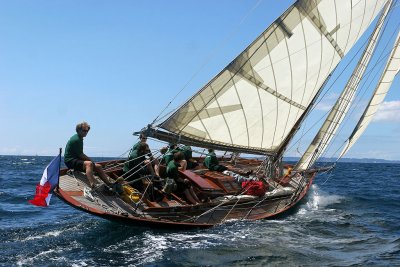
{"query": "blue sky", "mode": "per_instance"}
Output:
(117, 64)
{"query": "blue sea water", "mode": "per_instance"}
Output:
(349, 218)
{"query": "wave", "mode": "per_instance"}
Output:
(351, 219)
(319, 199)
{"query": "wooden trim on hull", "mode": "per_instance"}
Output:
(125, 219)
(280, 212)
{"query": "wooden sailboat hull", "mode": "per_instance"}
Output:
(173, 213)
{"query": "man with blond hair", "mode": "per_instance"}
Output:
(75, 159)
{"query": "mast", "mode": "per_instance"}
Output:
(342, 105)
(392, 68)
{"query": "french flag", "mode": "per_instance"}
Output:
(47, 184)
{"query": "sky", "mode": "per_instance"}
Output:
(118, 64)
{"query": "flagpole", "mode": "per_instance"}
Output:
(58, 183)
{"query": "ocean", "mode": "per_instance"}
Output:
(349, 218)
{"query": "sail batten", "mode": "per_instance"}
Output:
(273, 81)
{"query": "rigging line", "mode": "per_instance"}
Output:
(349, 104)
(333, 83)
(114, 164)
(395, 4)
(359, 50)
(329, 173)
(228, 198)
(252, 208)
(166, 115)
(142, 167)
(353, 110)
(229, 212)
(381, 57)
(312, 126)
(350, 113)
(210, 57)
(325, 151)
(107, 166)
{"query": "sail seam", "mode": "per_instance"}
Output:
(268, 89)
(291, 89)
(243, 111)
(319, 24)
(223, 116)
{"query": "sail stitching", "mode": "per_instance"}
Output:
(321, 54)
(197, 115)
(274, 76)
(243, 111)
(223, 116)
(291, 89)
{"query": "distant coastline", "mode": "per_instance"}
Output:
(347, 160)
(285, 159)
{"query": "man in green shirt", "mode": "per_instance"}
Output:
(183, 184)
(137, 165)
(169, 155)
(154, 161)
(187, 151)
(74, 158)
(212, 163)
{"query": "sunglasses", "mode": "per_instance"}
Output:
(85, 131)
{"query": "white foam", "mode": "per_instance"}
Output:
(79, 264)
(29, 261)
(320, 199)
(52, 233)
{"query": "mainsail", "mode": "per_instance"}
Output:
(392, 68)
(253, 104)
(342, 105)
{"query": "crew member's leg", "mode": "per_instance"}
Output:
(101, 173)
(183, 164)
(89, 172)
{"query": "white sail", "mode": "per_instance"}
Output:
(257, 99)
(342, 105)
(392, 68)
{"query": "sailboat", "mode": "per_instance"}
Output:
(251, 111)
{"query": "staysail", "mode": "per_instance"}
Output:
(254, 102)
(342, 105)
(392, 68)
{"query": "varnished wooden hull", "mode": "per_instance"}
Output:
(172, 213)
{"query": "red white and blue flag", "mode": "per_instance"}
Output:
(47, 184)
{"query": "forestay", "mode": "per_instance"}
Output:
(392, 68)
(257, 99)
